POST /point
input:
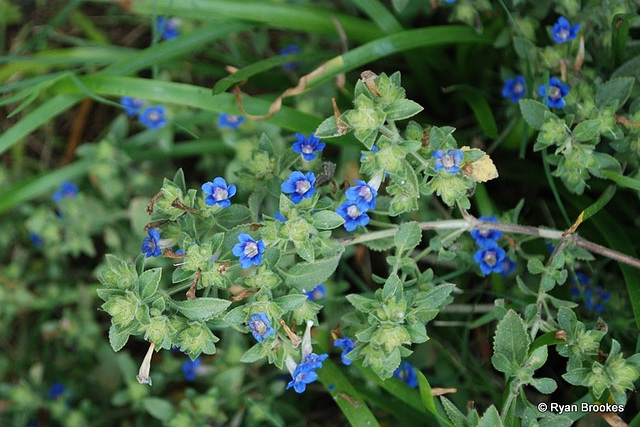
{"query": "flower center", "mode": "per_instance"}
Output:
(518, 88)
(220, 193)
(153, 116)
(307, 148)
(302, 186)
(485, 233)
(365, 193)
(490, 258)
(232, 119)
(563, 34)
(250, 249)
(353, 212)
(259, 327)
(448, 161)
(554, 92)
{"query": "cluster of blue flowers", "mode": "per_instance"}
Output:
(449, 161)
(554, 91)
(260, 326)
(68, 190)
(230, 121)
(305, 372)
(153, 117)
(347, 345)
(407, 373)
(594, 297)
(308, 146)
(168, 27)
(291, 49)
(360, 199)
(490, 257)
(218, 192)
(319, 292)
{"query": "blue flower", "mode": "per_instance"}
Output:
(315, 360)
(248, 250)
(151, 244)
(218, 193)
(353, 216)
(555, 93)
(230, 121)
(317, 293)
(190, 369)
(347, 345)
(260, 326)
(508, 266)
(168, 27)
(131, 105)
(486, 238)
(299, 186)
(307, 146)
(563, 31)
(153, 117)
(449, 1)
(68, 189)
(55, 391)
(278, 216)
(36, 239)
(290, 50)
(304, 374)
(490, 259)
(406, 373)
(515, 88)
(449, 161)
(363, 194)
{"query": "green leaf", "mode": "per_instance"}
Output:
(117, 338)
(535, 266)
(327, 129)
(158, 408)
(491, 418)
(401, 109)
(327, 220)
(304, 249)
(454, 414)
(544, 385)
(408, 237)
(307, 275)
(148, 282)
(620, 35)
(614, 92)
(621, 180)
(427, 398)
(233, 215)
(290, 302)
(434, 298)
(502, 364)
(511, 339)
(254, 354)
(477, 100)
(586, 130)
(399, 5)
(524, 47)
(202, 308)
(360, 302)
(533, 112)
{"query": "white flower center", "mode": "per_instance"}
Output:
(259, 327)
(220, 194)
(448, 160)
(365, 193)
(563, 34)
(353, 211)
(554, 92)
(518, 88)
(250, 249)
(302, 186)
(153, 116)
(232, 119)
(307, 148)
(490, 258)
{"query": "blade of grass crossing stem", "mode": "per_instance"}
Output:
(554, 189)
(161, 52)
(345, 395)
(595, 207)
(290, 16)
(618, 239)
(480, 107)
(35, 186)
(257, 68)
(428, 400)
(407, 395)
(621, 180)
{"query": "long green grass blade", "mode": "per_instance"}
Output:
(346, 396)
(310, 19)
(378, 13)
(146, 58)
(621, 180)
(480, 107)
(35, 186)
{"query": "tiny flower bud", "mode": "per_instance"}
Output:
(143, 374)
